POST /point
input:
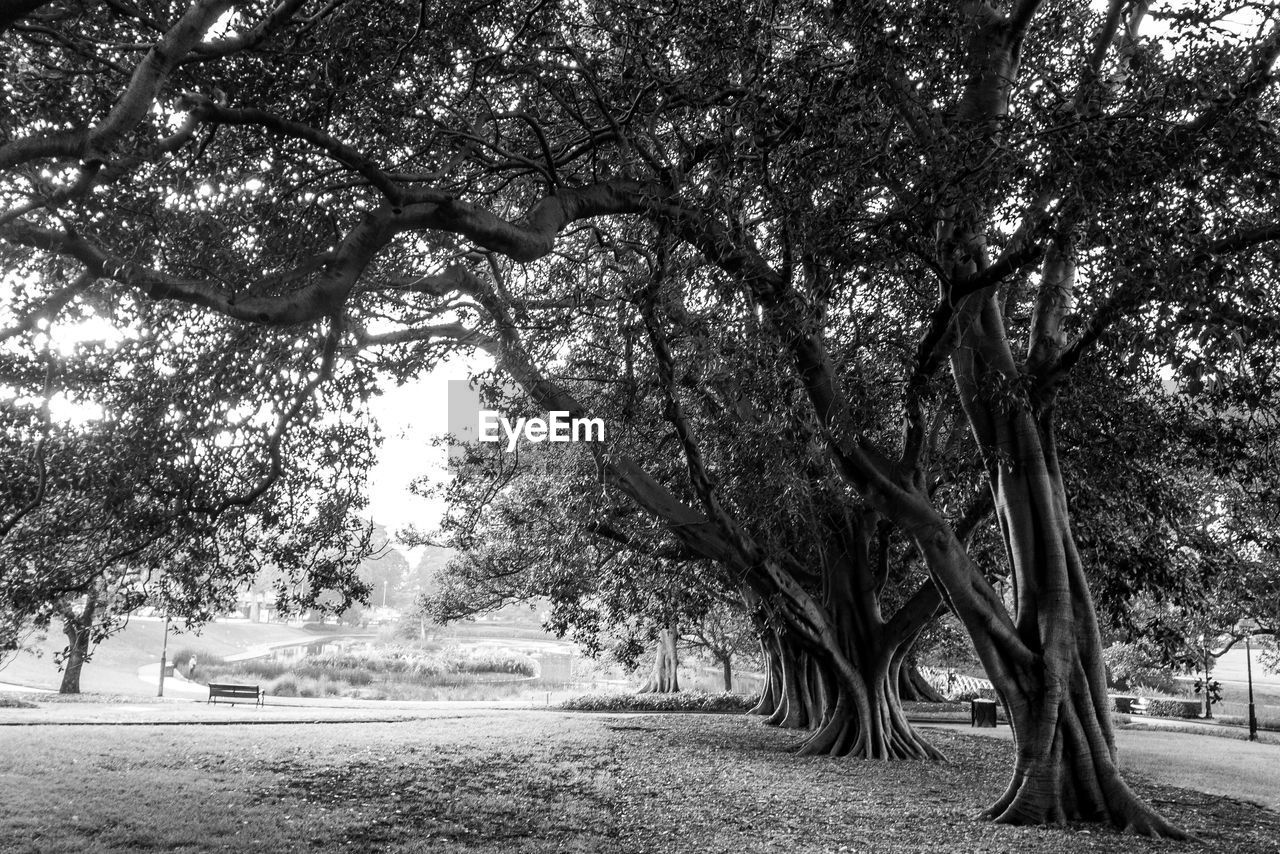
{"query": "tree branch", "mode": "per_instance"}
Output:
(48, 310)
(132, 106)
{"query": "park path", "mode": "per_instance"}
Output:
(1226, 767)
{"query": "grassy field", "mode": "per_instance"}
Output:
(531, 782)
(115, 663)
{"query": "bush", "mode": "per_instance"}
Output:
(251, 670)
(414, 663)
(498, 661)
(285, 686)
(683, 701)
(1172, 707)
(307, 669)
(352, 673)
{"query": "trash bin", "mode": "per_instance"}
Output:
(982, 713)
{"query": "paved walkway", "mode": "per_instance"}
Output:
(1228, 767)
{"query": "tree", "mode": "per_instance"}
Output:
(107, 536)
(130, 478)
(996, 190)
(725, 635)
(384, 570)
(527, 528)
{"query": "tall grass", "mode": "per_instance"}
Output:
(398, 672)
(414, 664)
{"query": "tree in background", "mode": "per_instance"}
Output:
(385, 571)
(526, 527)
(725, 634)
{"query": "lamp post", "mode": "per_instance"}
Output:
(1208, 701)
(1247, 627)
(164, 652)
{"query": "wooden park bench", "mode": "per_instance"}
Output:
(243, 693)
(1138, 706)
(982, 713)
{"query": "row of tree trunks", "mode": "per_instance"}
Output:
(854, 709)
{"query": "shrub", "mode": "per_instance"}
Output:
(309, 687)
(413, 663)
(307, 669)
(683, 701)
(498, 661)
(1172, 707)
(285, 686)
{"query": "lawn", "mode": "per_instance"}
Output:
(526, 781)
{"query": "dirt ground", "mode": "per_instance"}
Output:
(533, 781)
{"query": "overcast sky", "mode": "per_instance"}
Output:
(411, 416)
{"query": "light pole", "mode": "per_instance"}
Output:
(1247, 627)
(164, 652)
(1208, 701)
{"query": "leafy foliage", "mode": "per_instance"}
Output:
(683, 701)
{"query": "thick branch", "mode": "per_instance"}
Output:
(12, 11)
(133, 105)
(277, 18)
(210, 112)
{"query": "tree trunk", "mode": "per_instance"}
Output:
(77, 652)
(663, 679)
(770, 692)
(727, 667)
(862, 714)
(1061, 717)
(913, 687)
(868, 723)
(1046, 662)
(791, 712)
(78, 628)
